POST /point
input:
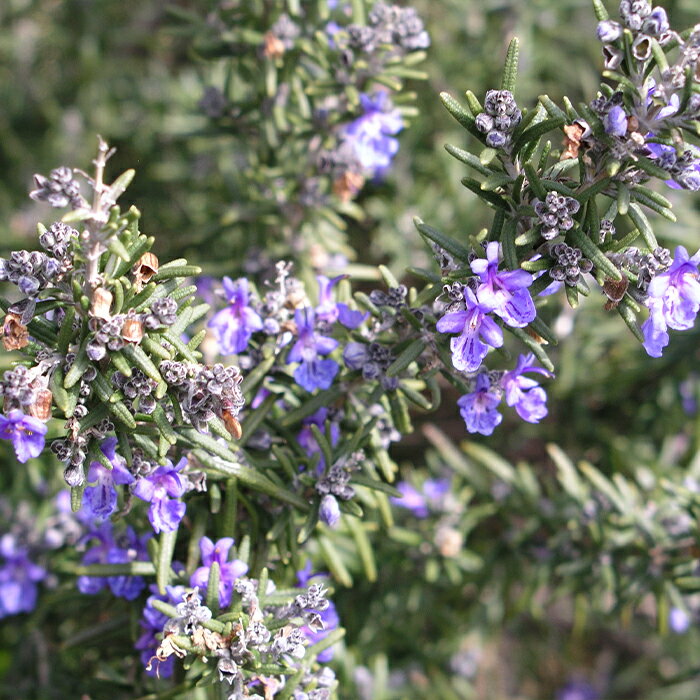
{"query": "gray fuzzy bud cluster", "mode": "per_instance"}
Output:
(645, 266)
(373, 359)
(60, 189)
(139, 388)
(32, 271)
(336, 480)
(570, 264)
(500, 116)
(204, 392)
(399, 26)
(556, 214)
(18, 388)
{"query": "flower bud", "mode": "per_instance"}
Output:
(329, 512)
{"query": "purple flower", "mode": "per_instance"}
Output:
(578, 690)
(673, 301)
(229, 571)
(152, 621)
(24, 432)
(350, 318)
(504, 292)
(313, 372)
(100, 500)
(327, 309)
(615, 121)
(329, 511)
(479, 408)
(477, 331)
(525, 393)
(110, 550)
(18, 578)
(371, 134)
(160, 489)
(678, 620)
(235, 324)
(418, 502)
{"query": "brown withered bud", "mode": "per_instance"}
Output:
(132, 330)
(14, 335)
(348, 185)
(232, 425)
(144, 268)
(101, 303)
(615, 291)
(41, 408)
(632, 124)
(273, 47)
(572, 142)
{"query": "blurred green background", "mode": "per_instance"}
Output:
(71, 69)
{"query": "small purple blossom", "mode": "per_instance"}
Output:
(479, 408)
(477, 332)
(673, 301)
(229, 571)
(19, 577)
(525, 393)
(100, 500)
(27, 434)
(235, 325)
(678, 620)
(327, 309)
(160, 489)
(313, 372)
(351, 318)
(504, 292)
(152, 621)
(371, 134)
(329, 511)
(578, 690)
(615, 121)
(420, 502)
(124, 549)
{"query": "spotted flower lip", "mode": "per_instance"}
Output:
(478, 409)
(504, 291)
(27, 434)
(477, 332)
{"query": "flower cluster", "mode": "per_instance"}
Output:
(277, 634)
(479, 408)
(499, 118)
(503, 293)
(556, 214)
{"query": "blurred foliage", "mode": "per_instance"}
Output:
(494, 622)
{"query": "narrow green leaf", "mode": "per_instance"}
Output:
(490, 197)
(142, 361)
(590, 250)
(409, 354)
(537, 131)
(165, 559)
(364, 548)
(510, 70)
(461, 114)
(600, 12)
(212, 599)
(75, 373)
(640, 220)
(449, 244)
(552, 109)
(323, 398)
(467, 158)
(335, 563)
